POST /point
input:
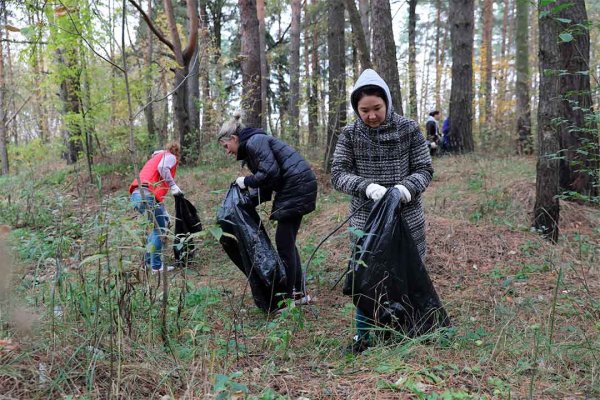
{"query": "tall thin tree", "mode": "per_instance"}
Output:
(251, 99)
(546, 210)
(461, 94)
(337, 81)
(3, 105)
(524, 139)
(358, 34)
(384, 50)
(412, 59)
(294, 99)
(485, 94)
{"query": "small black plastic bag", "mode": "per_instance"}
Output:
(386, 276)
(251, 250)
(186, 223)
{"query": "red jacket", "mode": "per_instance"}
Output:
(151, 177)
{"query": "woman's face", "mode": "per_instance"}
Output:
(372, 110)
(231, 145)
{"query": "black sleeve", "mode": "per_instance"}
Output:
(267, 168)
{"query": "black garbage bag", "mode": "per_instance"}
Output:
(186, 223)
(251, 250)
(386, 276)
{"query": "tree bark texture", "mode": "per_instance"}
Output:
(3, 105)
(313, 100)
(148, 58)
(412, 59)
(524, 139)
(337, 81)
(461, 95)
(546, 210)
(293, 108)
(264, 74)
(358, 35)
(485, 99)
(384, 50)
(579, 133)
(250, 58)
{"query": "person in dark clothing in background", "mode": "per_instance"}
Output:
(434, 137)
(277, 167)
(446, 134)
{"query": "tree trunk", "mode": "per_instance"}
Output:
(204, 61)
(524, 139)
(193, 82)
(438, 66)
(358, 35)
(461, 95)
(579, 132)
(337, 81)
(251, 102)
(364, 9)
(3, 105)
(148, 57)
(546, 210)
(412, 59)
(384, 50)
(485, 94)
(294, 98)
(313, 100)
(264, 74)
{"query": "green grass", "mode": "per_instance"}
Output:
(527, 321)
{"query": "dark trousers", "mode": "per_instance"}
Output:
(285, 239)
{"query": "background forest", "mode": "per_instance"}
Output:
(88, 89)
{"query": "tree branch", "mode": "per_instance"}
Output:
(152, 27)
(192, 7)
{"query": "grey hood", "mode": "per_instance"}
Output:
(370, 77)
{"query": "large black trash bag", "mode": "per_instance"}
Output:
(186, 223)
(386, 276)
(252, 250)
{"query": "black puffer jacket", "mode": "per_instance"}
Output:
(277, 166)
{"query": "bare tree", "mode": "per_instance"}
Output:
(183, 58)
(337, 81)
(264, 79)
(358, 35)
(546, 210)
(294, 98)
(461, 95)
(3, 105)
(384, 50)
(412, 59)
(250, 58)
(524, 141)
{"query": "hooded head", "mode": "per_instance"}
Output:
(369, 83)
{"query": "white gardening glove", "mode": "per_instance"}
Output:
(405, 196)
(175, 191)
(240, 182)
(375, 191)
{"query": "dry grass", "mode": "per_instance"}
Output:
(516, 333)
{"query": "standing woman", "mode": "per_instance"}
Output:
(277, 167)
(157, 177)
(379, 150)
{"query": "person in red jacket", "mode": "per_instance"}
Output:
(157, 177)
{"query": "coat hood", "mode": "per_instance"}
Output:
(367, 78)
(247, 133)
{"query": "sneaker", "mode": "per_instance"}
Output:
(358, 345)
(302, 300)
(169, 268)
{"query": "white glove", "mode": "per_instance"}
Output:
(405, 196)
(240, 182)
(175, 190)
(375, 191)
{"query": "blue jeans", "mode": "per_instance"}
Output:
(154, 243)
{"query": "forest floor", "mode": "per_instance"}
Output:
(83, 320)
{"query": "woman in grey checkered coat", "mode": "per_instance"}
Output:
(380, 150)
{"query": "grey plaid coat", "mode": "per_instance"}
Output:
(393, 153)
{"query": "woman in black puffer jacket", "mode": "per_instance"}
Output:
(276, 167)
